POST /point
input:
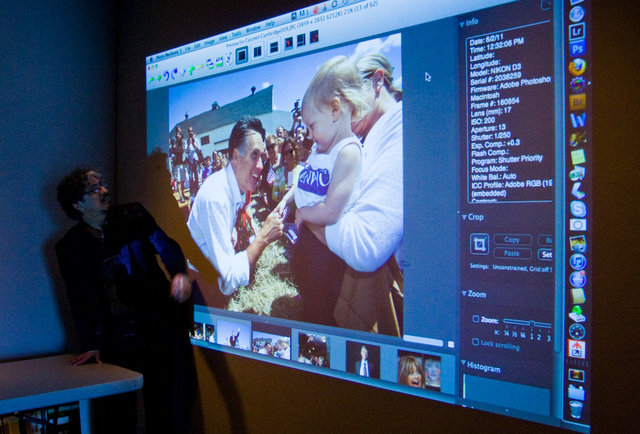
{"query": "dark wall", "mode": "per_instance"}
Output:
(58, 111)
(617, 237)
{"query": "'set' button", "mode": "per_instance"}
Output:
(545, 254)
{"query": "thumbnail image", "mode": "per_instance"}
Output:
(210, 333)
(432, 372)
(234, 334)
(363, 359)
(271, 345)
(411, 369)
(313, 349)
(419, 370)
(197, 331)
(283, 282)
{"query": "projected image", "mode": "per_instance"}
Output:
(419, 370)
(432, 372)
(411, 370)
(363, 359)
(210, 333)
(197, 332)
(271, 345)
(298, 276)
(234, 334)
(313, 349)
(279, 154)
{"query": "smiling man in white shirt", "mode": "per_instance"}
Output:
(216, 207)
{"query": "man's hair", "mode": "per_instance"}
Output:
(246, 126)
(72, 188)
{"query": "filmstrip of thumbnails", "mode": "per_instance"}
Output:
(359, 358)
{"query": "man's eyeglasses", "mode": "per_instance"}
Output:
(289, 152)
(94, 188)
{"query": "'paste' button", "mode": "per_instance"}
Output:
(512, 252)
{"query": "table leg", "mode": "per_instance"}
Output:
(84, 406)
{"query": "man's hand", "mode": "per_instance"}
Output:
(272, 228)
(280, 208)
(85, 357)
(180, 288)
(270, 231)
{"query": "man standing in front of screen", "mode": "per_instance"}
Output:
(220, 201)
(126, 310)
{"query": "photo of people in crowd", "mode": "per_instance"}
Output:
(271, 345)
(197, 331)
(210, 333)
(289, 176)
(313, 349)
(363, 359)
(419, 370)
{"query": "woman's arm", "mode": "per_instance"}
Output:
(343, 180)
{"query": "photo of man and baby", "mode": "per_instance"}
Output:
(292, 187)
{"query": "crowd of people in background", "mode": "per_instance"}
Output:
(189, 166)
(287, 151)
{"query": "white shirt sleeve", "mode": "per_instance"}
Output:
(211, 223)
(371, 231)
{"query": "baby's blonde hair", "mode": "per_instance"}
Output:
(338, 77)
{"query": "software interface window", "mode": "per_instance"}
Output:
(493, 182)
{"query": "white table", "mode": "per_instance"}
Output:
(50, 381)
